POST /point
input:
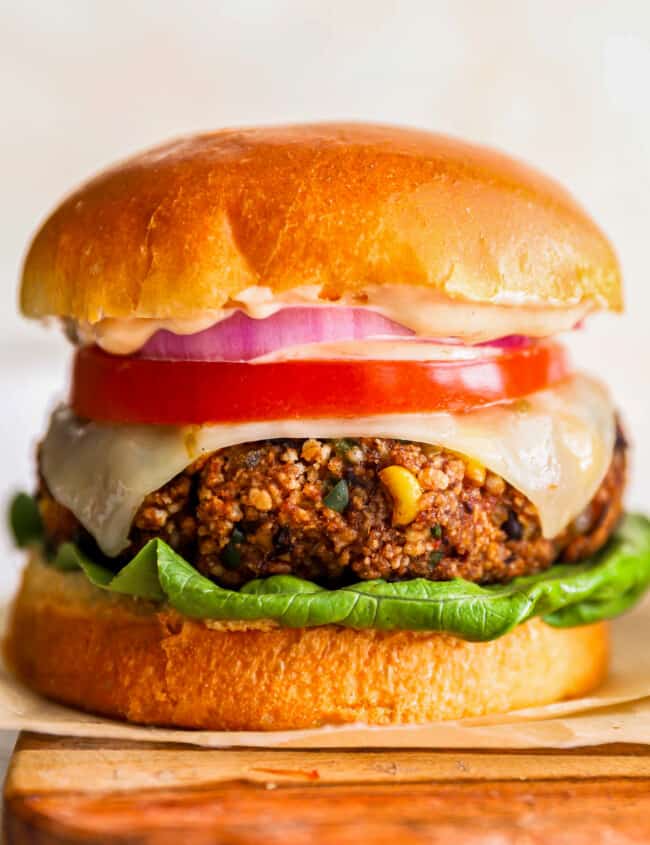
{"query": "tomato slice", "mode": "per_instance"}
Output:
(124, 389)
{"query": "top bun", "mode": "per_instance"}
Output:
(187, 226)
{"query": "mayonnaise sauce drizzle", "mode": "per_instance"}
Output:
(426, 313)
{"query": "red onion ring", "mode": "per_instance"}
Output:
(511, 341)
(242, 338)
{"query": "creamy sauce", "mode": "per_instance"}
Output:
(388, 349)
(423, 311)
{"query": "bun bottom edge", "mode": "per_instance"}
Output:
(116, 657)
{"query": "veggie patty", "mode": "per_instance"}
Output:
(326, 511)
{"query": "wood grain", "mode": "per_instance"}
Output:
(91, 791)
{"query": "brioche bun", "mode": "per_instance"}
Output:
(188, 226)
(119, 657)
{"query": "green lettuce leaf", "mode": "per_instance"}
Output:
(25, 521)
(565, 595)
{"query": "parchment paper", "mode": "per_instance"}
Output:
(617, 712)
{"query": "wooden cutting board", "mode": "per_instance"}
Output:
(69, 790)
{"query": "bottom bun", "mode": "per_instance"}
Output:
(120, 657)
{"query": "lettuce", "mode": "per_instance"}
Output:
(25, 520)
(564, 596)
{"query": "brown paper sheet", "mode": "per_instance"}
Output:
(619, 711)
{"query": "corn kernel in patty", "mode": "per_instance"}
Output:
(405, 492)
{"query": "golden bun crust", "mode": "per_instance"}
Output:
(121, 658)
(188, 226)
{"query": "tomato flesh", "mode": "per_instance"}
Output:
(154, 392)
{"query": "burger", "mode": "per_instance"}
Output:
(323, 458)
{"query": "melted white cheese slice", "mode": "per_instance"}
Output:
(554, 446)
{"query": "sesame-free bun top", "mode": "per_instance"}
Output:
(188, 226)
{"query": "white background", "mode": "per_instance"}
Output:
(565, 85)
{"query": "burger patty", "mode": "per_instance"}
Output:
(318, 509)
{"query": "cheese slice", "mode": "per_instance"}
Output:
(554, 446)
